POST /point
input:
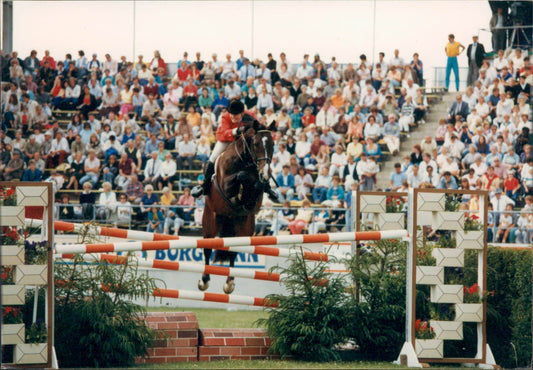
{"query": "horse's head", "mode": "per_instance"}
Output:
(261, 146)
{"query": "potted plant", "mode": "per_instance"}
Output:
(425, 343)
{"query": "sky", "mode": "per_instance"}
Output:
(344, 29)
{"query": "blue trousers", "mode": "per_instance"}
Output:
(451, 64)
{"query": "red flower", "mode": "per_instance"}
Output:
(4, 276)
(10, 192)
(474, 217)
(417, 324)
(473, 289)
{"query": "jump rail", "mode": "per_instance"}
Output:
(249, 244)
(183, 266)
(106, 231)
(213, 297)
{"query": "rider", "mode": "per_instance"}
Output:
(230, 128)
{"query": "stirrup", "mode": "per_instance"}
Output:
(197, 191)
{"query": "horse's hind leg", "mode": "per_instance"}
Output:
(245, 228)
(210, 229)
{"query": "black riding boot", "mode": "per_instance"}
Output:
(209, 171)
(272, 194)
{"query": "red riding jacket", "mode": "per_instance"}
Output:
(225, 130)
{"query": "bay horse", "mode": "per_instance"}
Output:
(236, 193)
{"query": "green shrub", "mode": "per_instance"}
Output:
(96, 324)
(310, 319)
(377, 312)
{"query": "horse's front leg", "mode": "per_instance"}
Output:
(210, 229)
(245, 228)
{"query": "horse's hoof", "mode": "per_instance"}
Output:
(229, 287)
(203, 286)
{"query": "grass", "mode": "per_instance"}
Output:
(268, 364)
(218, 318)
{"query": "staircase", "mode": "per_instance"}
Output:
(436, 112)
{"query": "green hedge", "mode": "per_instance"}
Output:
(509, 275)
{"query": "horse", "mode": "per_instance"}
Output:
(236, 192)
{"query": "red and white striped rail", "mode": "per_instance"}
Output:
(112, 247)
(248, 244)
(213, 297)
(183, 266)
(106, 231)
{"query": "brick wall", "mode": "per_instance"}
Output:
(232, 344)
(180, 339)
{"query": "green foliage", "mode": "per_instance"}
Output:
(310, 319)
(452, 202)
(509, 305)
(94, 307)
(377, 316)
(36, 333)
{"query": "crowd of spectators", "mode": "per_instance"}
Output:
(136, 127)
(484, 143)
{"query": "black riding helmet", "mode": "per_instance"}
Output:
(235, 106)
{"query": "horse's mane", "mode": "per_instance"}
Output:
(251, 122)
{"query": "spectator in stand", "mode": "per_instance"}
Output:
(303, 183)
(158, 62)
(524, 228)
(186, 152)
(77, 170)
(302, 218)
(416, 178)
(32, 173)
(134, 190)
(407, 115)
(335, 192)
(124, 211)
(107, 203)
(372, 129)
(448, 181)
(367, 170)
(167, 172)
(285, 181)
(391, 134)
(338, 161)
(87, 201)
(92, 169)
(59, 151)
(397, 177)
(452, 50)
(372, 150)
(319, 221)
(511, 186)
(186, 202)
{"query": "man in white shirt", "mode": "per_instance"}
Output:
(415, 178)
(152, 169)
(59, 152)
(304, 71)
(284, 157)
(366, 173)
(186, 152)
(92, 168)
(334, 72)
(167, 172)
(411, 88)
(338, 162)
(396, 61)
(232, 90)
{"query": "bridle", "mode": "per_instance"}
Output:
(252, 153)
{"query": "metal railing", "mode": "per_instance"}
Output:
(91, 212)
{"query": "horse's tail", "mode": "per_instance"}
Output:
(227, 230)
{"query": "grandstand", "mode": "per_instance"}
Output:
(125, 126)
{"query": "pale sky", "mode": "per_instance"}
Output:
(340, 28)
